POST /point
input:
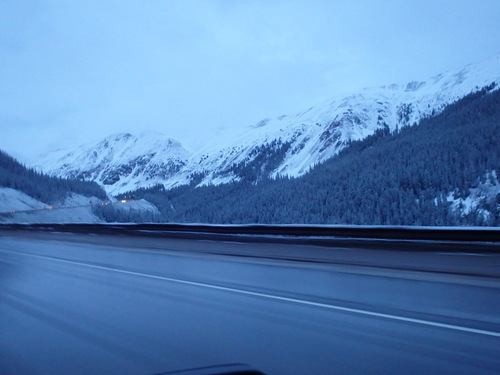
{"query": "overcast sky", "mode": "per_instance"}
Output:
(76, 71)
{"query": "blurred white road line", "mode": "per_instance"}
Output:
(271, 296)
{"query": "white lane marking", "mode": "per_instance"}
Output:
(467, 254)
(274, 297)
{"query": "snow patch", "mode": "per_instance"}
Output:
(137, 205)
(485, 193)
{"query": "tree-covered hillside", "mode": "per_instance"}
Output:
(415, 176)
(40, 186)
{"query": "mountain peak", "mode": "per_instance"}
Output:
(287, 145)
(120, 162)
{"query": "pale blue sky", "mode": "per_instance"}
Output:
(76, 71)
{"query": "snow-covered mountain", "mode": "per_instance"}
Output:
(288, 145)
(120, 162)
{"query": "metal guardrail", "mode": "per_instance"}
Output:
(447, 234)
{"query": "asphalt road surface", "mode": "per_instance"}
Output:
(81, 304)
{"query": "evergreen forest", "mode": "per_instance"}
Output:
(407, 177)
(41, 186)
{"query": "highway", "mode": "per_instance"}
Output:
(118, 304)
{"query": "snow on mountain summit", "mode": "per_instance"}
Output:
(120, 162)
(316, 134)
(288, 145)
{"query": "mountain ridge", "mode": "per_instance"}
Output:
(288, 145)
(443, 172)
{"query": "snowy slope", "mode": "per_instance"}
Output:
(15, 200)
(120, 162)
(140, 205)
(288, 145)
(17, 207)
(322, 131)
